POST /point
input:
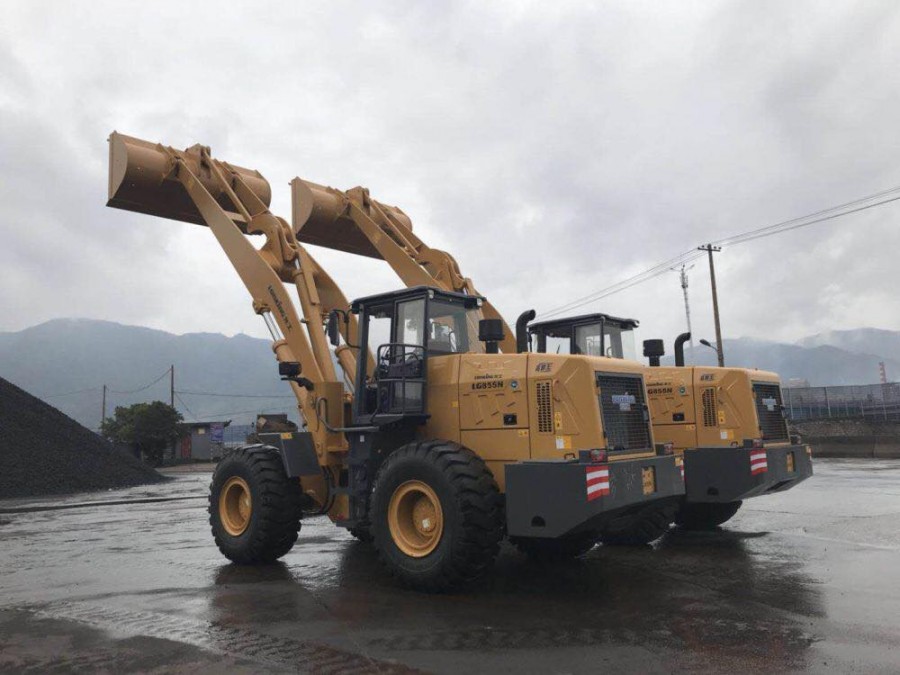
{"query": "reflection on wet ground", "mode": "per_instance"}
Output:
(805, 580)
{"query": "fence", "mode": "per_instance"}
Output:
(869, 401)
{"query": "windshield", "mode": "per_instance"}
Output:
(452, 329)
(605, 339)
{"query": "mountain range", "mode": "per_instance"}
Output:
(67, 361)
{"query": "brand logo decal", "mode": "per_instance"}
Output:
(280, 307)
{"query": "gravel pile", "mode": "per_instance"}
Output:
(43, 452)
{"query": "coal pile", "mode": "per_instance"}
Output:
(43, 452)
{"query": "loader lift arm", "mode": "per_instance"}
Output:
(353, 222)
(232, 202)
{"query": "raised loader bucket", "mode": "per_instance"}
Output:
(320, 218)
(141, 179)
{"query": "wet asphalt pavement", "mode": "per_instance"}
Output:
(808, 580)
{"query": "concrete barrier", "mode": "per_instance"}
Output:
(851, 437)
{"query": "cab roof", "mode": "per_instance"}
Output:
(469, 301)
(563, 327)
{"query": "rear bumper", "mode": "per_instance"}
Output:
(732, 474)
(554, 498)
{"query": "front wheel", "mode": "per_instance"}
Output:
(254, 508)
(436, 515)
(705, 516)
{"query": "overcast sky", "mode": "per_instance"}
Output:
(554, 148)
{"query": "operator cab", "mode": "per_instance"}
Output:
(402, 330)
(588, 334)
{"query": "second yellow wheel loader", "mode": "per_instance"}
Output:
(727, 425)
(432, 441)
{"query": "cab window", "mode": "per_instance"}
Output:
(409, 328)
(452, 329)
(589, 340)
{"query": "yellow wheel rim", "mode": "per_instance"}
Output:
(415, 518)
(235, 506)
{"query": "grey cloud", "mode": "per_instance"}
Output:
(553, 148)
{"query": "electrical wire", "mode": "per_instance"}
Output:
(181, 400)
(146, 386)
(77, 391)
(811, 218)
(212, 393)
(860, 204)
(234, 412)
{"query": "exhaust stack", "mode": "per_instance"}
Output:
(679, 348)
(522, 330)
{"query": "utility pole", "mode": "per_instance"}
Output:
(710, 249)
(103, 413)
(172, 385)
(687, 305)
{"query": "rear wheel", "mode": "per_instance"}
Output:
(254, 508)
(436, 515)
(705, 516)
(647, 526)
(362, 533)
(551, 550)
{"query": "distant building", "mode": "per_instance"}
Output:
(202, 441)
(796, 382)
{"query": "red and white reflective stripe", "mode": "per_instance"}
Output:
(597, 481)
(681, 466)
(758, 462)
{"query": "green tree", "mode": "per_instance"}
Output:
(149, 427)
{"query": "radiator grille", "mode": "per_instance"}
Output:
(772, 424)
(710, 413)
(544, 408)
(626, 423)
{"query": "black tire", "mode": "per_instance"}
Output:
(554, 550)
(362, 532)
(275, 511)
(472, 515)
(705, 516)
(648, 526)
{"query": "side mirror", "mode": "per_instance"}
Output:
(333, 328)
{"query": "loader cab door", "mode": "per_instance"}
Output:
(403, 330)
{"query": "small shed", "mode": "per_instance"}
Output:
(202, 441)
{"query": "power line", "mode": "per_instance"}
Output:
(235, 412)
(787, 226)
(769, 230)
(212, 393)
(147, 386)
(180, 400)
(70, 393)
(639, 278)
(810, 218)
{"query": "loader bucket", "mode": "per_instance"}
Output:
(141, 179)
(320, 218)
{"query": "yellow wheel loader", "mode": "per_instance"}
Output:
(432, 442)
(727, 425)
